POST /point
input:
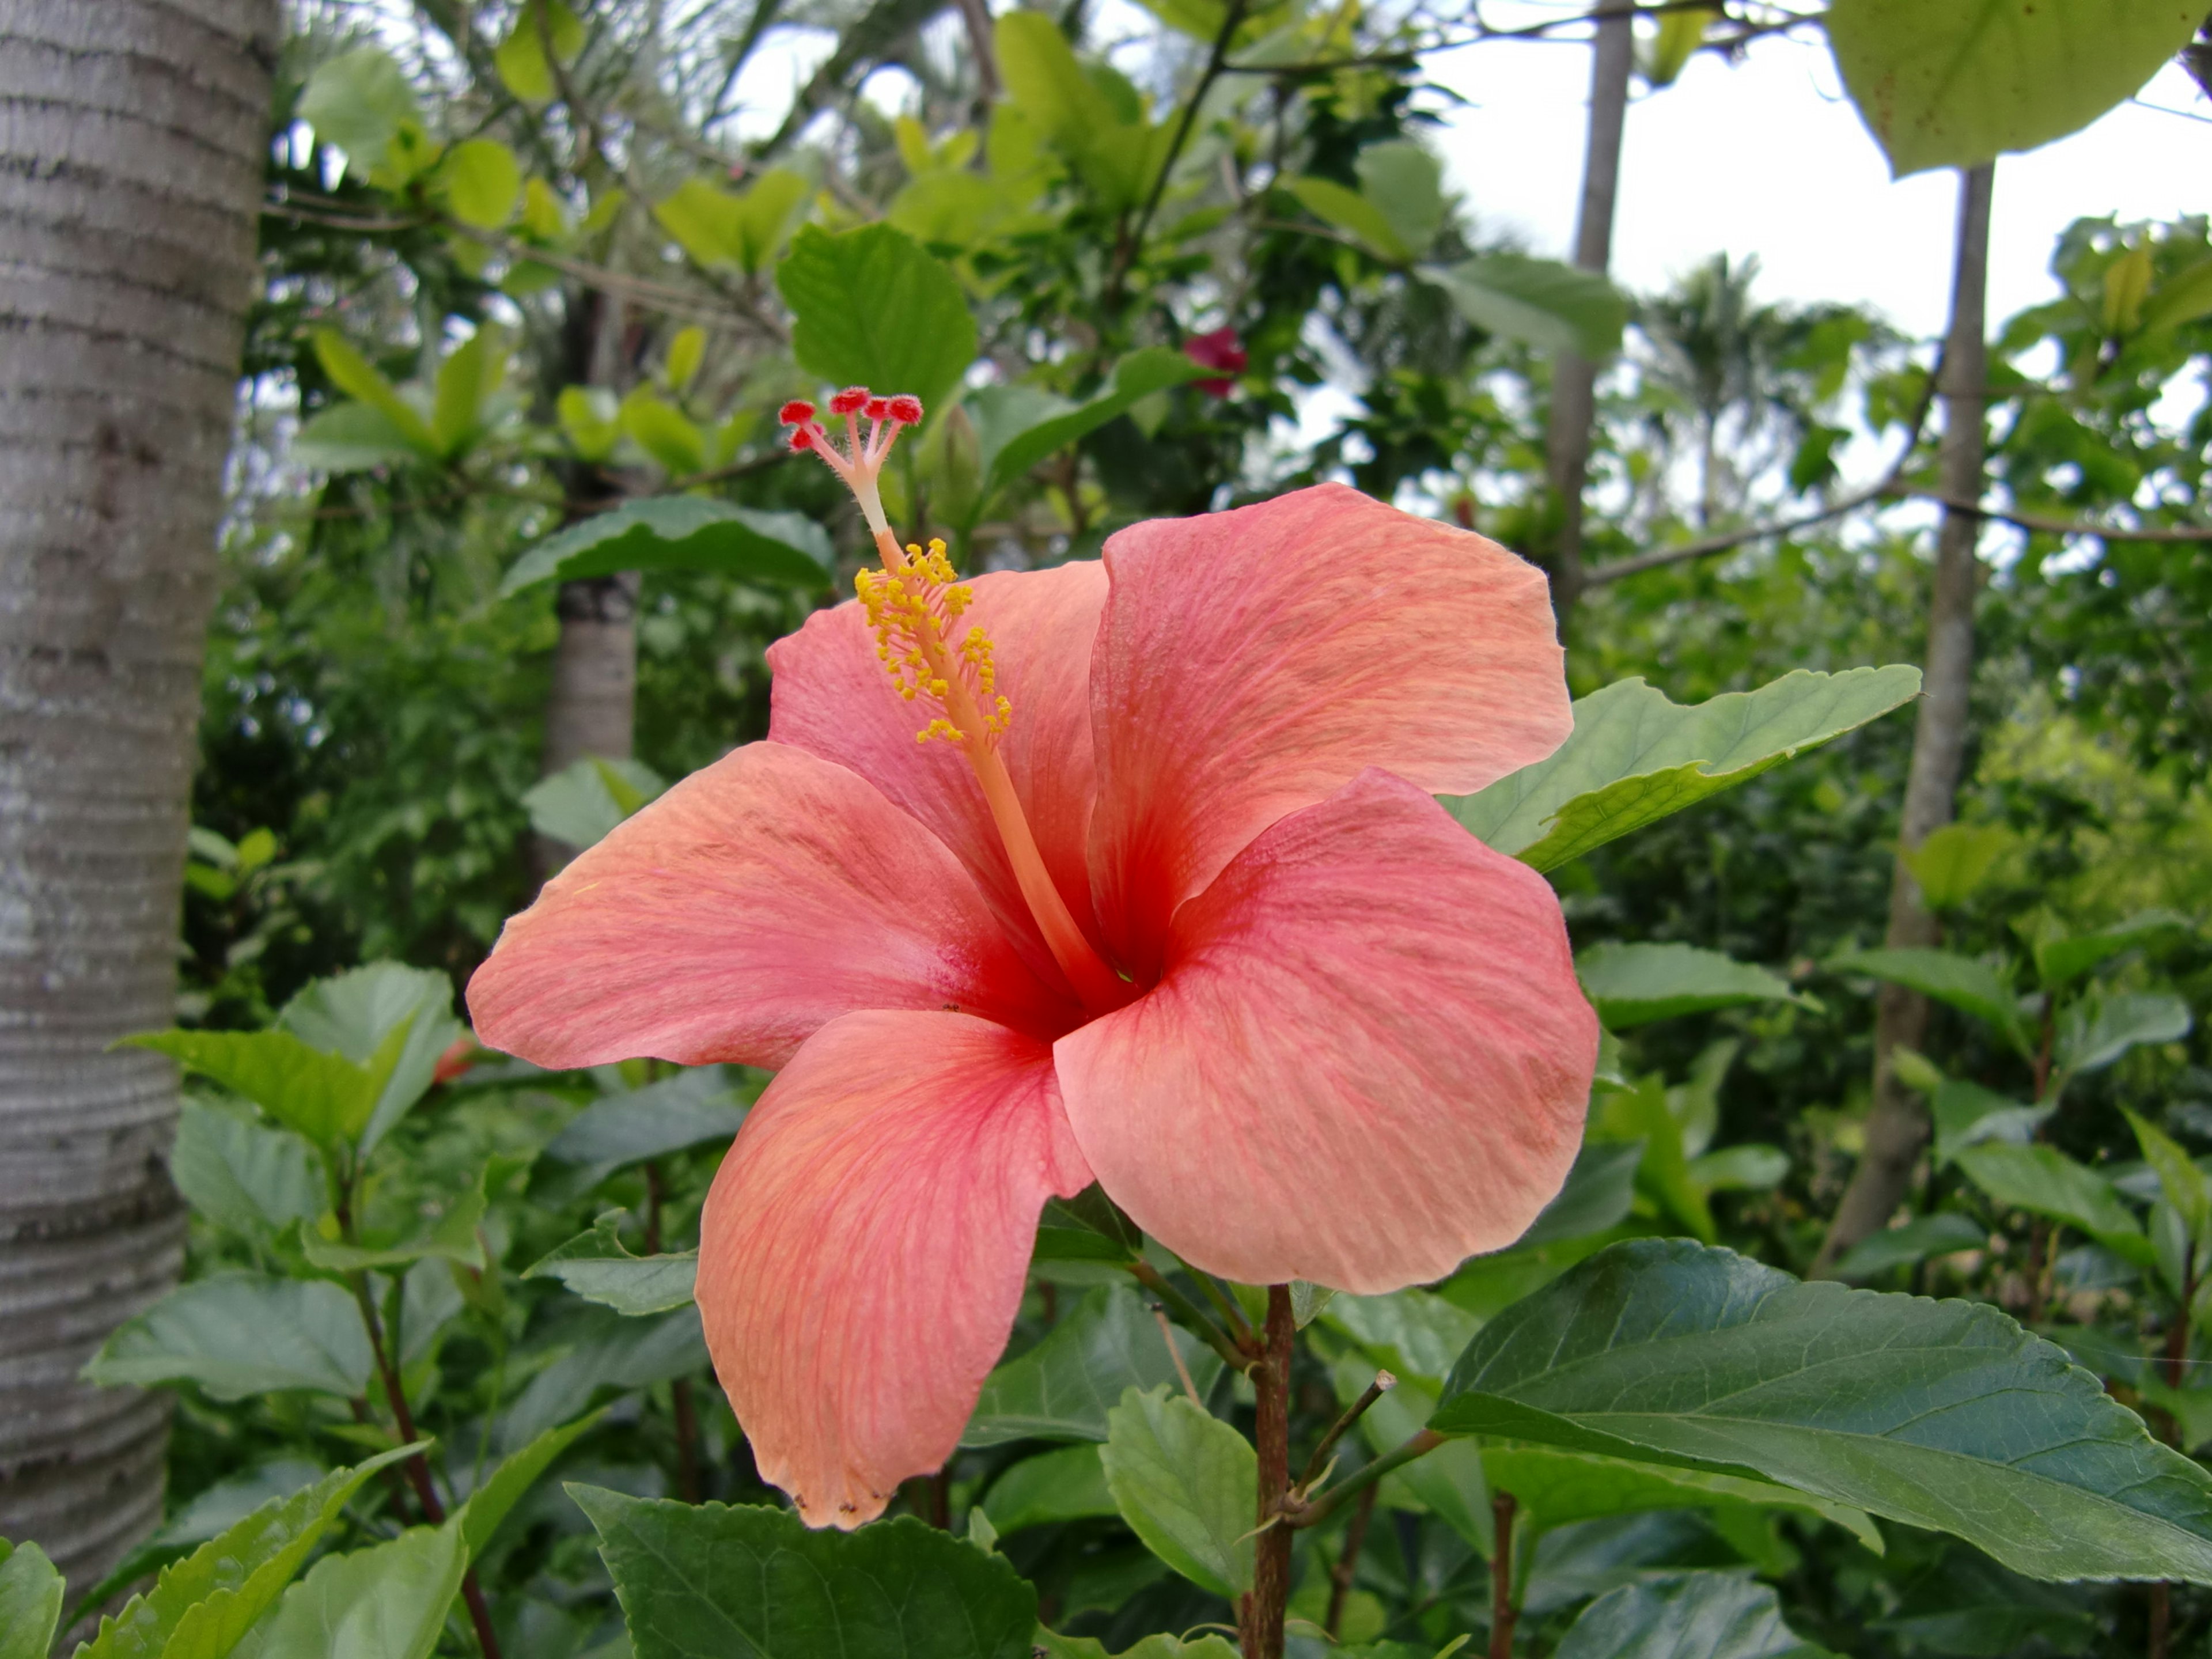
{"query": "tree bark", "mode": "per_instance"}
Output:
(1897, 1125)
(131, 139)
(1574, 377)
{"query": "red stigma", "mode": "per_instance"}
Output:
(797, 412)
(802, 437)
(906, 409)
(851, 400)
(878, 408)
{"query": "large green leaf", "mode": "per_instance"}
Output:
(1914, 1241)
(30, 1601)
(326, 1097)
(1063, 1387)
(870, 308)
(597, 1350)
(1558, 307)
(2059, 962)
(1635, 758)
(1065, 1485)
(696, 1108)
(1556, 1488)
(711, 1580)
(357, 100)
(203, 1606)
(581, 805)
(1941, 1414)
(2099, 1029)
(237, 1334)
(387, 1602)
(596, 1266)
(1698, 1616)
(1017, 426)
(244, 1175)
(1971, 985)
(490, 1503)
(681, 533)
(2044, 1180)
(1955, 84)
(1187, 1484)
(1634, 984)
(355, 1014)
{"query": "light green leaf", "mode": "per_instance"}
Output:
(1940, 1414)
(326, 1098)
(1552, 306)
(466, 382)
(359, 378)
(1634, 984)
(745, 230)
(1680, 34)
(1017, 426)
(2098, 1031)
(1557, 1488)
(711, 1580)
(1968, 984)
(2060, 962)
(1410, 1333)
(596, 1266)
(1052, 1645)
(682, 532)
(1746, 1167)
(520, 58)
(1347, 210)
(1951, 864)
(1635, 758)
(1187, 1484)
(351, 437)
(581, 804)
(1955, 85)
(203, 1606)
(686, 352)
(387, 1602)
(481, 181)
(1096, 123)
(1699, 1615)
(1906, 1246)
(357, 100)
(236, 1334)
(358, 1014)
(489, 1505)
(1405, 181)
(664, 432)
(2178, 1177)
(1066, 1484)
(243, 1176)
(453, 1236)
(2044, 1180)
(870, 308)
(30, 1601)
(590, 420)
(1063, 1388)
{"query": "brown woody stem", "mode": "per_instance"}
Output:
(1260, 1610)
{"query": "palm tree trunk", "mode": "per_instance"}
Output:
(131, 138)
(1897, 1125)
(1574, 378)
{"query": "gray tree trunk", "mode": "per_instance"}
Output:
(1897, 1125)
(131, 142)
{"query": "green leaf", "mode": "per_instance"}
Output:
(1940, 1414)
(682, 532)
(1113, 150)
(711, 1580)
(1347, 210)
(686, 352)
(1632, 985)
(1066, 1484)
(236, 1334)
(1405, 182)
(664, 432)
(30, 1601)
(482, 182)
(326, 1098)
(2044, 1180)
(1955, 85)
(596, 1266)
(489, 1505)
(387, 1602)
(203, 1606)
(1051, 1644)
(1951, 864)
(1643, 1114)
(601, 1350)
(357, 100)
(590, 420)
(1553, 307)
(1063, 1388)
(2060, 962)
(1680, 34)
(352, 437)
(1969, 985)
(581, 803)
(1914, 1241)
(466, 382)
(2183, 1184)
(746, 230)
(356, 1014)
(1187, 1484)
(1635, 758)
(243, 1176)
(1557, 1488)
(2097, 1032)
(355, 376)
(694, 1108)
(1746, 1167)
(453, 1236)
(1018, 426)
(1409, 1333)
(870, 308)
(520, 58)
(1698, 1616)
(1967, 1113)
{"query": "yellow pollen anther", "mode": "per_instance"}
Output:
(910, 605)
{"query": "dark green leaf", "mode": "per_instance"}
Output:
(237, 1334)
(2044, 1180)
(596, 1266)
(1017, 426)
(2059, 962)
(1969, 985)
(696, 1108)
(597, 1351)
(1558, 308)
(1557, 1488)
(1066, 1484)
(713, 1582)
(493, 1502)
(1914, 1241)
(870, 308)
(1699, 1615)
(453, 1236)
(1187, 1484)
(1063, 1387)
(681, 533)
(2098, 1031)
(242, 1175)
(1634, 984)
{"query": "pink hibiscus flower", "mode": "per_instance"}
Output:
(1160, 900)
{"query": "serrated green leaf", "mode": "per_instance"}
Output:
(1912, 1243)
(388, 1601)
(682, 532)
(1698, 1616)
(481, 181)
(30, 1601)
(1635, 758)
(711, 1580)
(1971, 985)
(326, 1098)
(243, 1176)
(1018, 426)
(870, 308)
(596, 1266)
(1632, 985)
(359, 1013)
(1550, 305)
(2044, 1180)
(1940, 1414)
(1955, 85)
(236, 1334)
(1063, 1388)
(1187, 1484)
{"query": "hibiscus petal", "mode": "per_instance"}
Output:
(1368, 1060)
(1251, 662)
(832, 697)
(758, 899)
(864, 1250)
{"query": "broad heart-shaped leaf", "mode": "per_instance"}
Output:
(870, 308)
(243, 1176)
(711, 1580)
(1634, 757)
(2044, 1180)
(582, 802)
(355, 1014)
(1556, 1488)
(1016, 427)
(1634, 984)
(1941, 1414)
(681, 533)
(1066, 1485)
(1969, 985)
(1914, 1241)
(1558, 308)
(2059, 962)
(596, 1266)
(1699, 1615)
(30, 1601)
(201, 1606)
(1063, 1387)
(1188, 1484)
(387, 1602)
(326, 1097)
(1955, 85)
(237, 1334)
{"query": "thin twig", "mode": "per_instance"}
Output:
(1232, 21)
(1194, 1318)
(1383, 1384)
(1313, 1513)
(1347, 1561)
(1174, 1352)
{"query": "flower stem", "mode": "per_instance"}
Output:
(1259, 1611)
(1503, 1613)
